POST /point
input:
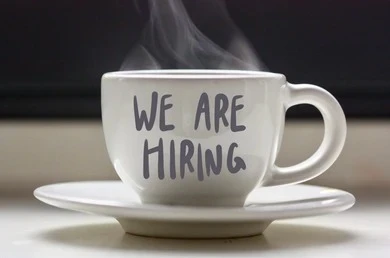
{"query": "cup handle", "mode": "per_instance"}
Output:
(332, 143)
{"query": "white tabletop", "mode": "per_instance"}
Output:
(32, 229)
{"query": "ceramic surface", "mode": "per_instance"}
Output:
(208, 137)
(264, 205)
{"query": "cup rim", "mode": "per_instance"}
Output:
(191, 74)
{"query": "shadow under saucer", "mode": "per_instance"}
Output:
(279, 236)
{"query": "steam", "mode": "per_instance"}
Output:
(171, 40)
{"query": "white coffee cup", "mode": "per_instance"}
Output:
(209, 137)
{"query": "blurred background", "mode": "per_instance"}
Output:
(53, 54)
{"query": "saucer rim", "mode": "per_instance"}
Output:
(330, 204)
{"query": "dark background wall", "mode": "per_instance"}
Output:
(53, 53)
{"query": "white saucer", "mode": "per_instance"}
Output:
(264, 205)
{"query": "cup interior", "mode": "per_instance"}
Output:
(192, 74)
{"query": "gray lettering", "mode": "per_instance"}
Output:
(200, 165)
(210, 162)
(221, 106)
(233, 120)
(240, 164)
(186, 152)
(142, 118)
(203, 107)
(163, 107)
(160, 163)
(172, 160)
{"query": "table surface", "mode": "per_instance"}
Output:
(32, 229)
